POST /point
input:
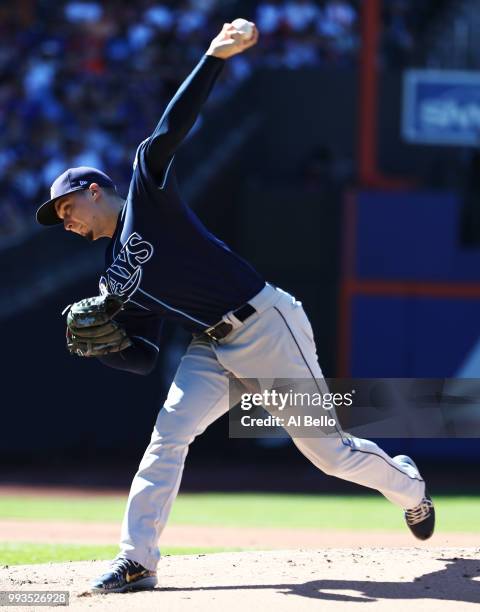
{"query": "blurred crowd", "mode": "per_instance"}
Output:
(82, 82)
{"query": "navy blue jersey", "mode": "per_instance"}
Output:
(161, 258)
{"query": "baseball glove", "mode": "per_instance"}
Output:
(91, 330)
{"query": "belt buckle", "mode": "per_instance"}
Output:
(210, 333)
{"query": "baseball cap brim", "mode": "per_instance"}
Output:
(46, 213)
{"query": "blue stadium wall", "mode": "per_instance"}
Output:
(415, 310)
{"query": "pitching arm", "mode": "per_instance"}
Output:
(183, 110)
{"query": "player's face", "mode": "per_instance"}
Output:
(79, 214)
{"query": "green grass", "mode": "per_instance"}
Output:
(455, 513)
(333, 512)
(62, 508)
(20, 553)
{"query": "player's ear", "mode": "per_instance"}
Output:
(94, 190)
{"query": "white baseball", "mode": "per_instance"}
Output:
(243, 27)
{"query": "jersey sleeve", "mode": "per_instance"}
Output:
(180, 116)
(144, 329)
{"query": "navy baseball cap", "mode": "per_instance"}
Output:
(73, 179)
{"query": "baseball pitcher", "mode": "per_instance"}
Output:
(162, 263)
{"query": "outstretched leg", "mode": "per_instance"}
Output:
(279, 343)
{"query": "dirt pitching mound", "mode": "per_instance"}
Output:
(434, 579)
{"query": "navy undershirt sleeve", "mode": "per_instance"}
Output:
(136, 359)
(144, 330)
(181, 114)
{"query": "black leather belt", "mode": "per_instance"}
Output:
(222, 329)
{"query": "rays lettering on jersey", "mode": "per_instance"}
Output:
(124, 276)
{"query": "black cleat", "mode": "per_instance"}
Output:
(421, 518)
(125, 575)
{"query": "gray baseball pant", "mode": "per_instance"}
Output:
(276, 342)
